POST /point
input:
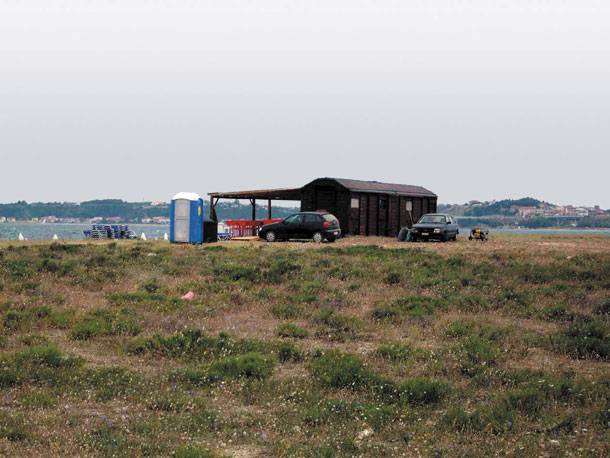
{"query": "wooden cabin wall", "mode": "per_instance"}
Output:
(354, 215)
(393, 216)
(364, 211)
(373, 214)
(378, 214)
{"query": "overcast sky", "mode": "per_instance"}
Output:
(473, 99)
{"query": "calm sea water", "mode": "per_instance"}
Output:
(33, 231)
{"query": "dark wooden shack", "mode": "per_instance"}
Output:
(368, 207)
(362, 207)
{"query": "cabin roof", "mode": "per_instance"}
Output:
(382, 188)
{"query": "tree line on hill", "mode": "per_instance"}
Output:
(128, 212)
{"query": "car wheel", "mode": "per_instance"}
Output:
(270, 237)
(317, 237)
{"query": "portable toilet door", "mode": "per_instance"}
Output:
(186, 218)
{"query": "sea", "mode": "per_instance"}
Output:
(36, 231)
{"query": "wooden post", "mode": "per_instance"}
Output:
(213, 203)
(253, 215)
(269, 209)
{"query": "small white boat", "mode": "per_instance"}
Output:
(20, 237)
(143, 236)
(55, 237)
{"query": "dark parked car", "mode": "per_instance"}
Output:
(317, 226)
(435, 226)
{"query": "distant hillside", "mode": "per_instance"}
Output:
(527, 212)
(507, 207)
(116, 209)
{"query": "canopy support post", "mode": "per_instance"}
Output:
(253, 202)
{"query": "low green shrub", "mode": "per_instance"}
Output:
(38, 364)
(192, 375)
(511, 301)
(475, 354)
(236, 272)
(535, 394)
(602, 308)
(287, 311)
(338, 410)
(17, 319)
(459, 328)
(336, 326)
(194, 343)
(39, 400)
(102, 322)
(395, 352)
(44, 355)
(393, 278)
(557, 312)
(154, 300)
(58, 267)
(422, 391)
(34, 339)
(250, 365)
(413, 307)
(192, 451)
(109, 440)
(529, 400)
(167, 401)
(288, 352)
(340, 370)
(106, 383)
(281, 269)
(495, 419)
(291, 330)
(152, 285)
(61, 319)
(12, 427)
(584, 339)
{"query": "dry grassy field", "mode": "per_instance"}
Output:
(366, 347)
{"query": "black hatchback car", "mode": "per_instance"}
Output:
(435, 226)
(317, 226)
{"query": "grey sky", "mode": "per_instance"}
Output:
(140, 99)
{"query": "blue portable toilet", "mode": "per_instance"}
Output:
(186, 218)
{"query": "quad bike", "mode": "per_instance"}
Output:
(479, 234)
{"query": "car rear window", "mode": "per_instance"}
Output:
(329, 217)
(312, 219)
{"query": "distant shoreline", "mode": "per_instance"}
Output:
(33, 223)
